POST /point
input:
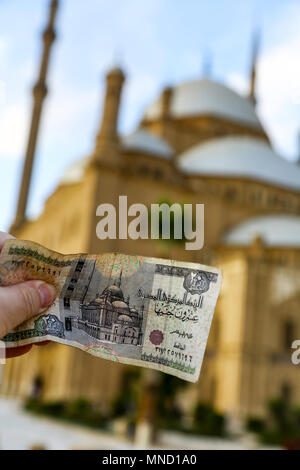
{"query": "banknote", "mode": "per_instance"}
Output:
(137, 310)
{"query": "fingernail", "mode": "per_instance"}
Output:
(47, 294)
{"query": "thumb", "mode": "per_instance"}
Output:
(21, 302)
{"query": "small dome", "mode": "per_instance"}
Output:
(113, 291)
(125, 318)
(146, 142)
(98, 300)
(120, 304)
(134, 312)
(94, 305)
(206, 97)
(240, 157)
(274, 230)
(116, 70)
(75, 172)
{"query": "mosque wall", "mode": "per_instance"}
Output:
(187, 132)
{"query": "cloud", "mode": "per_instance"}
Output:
(238, 82)
(278, 86)
(65, 112)
(139, 89)
(279, 92)
(3, 51)
(13, 126)
(68, 109)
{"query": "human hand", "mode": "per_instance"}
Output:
(21, 302)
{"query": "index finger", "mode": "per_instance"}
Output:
(4, 236)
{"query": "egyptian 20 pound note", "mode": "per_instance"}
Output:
(130, 309)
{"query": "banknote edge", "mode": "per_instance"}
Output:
(125, 361)
(15, 241)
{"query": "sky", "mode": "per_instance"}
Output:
(157, 43)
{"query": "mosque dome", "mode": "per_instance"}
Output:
(144, 141)
(206, 97)
(120, 305)
(240, 157)
(125, 318)
(134, 312)
(274, 230)
(140, 141)
(116, 70)
(114, 292)
(93, 305)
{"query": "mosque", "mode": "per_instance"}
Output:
(110, 318)
(198, 142)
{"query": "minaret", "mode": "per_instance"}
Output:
(167, 95)
(119, 281)
(108, 139)
(207, 64)
(39, 94)
(255, 48)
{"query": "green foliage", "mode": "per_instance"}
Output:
(256, 425)
(206, 421)
(78, 411)
(169, 415)
(282, 425)
(125, 403)
(172, 238)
